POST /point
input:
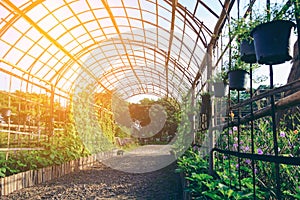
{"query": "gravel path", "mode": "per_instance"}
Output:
(102, 182)
(142, 159)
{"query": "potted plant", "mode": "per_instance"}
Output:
(205, 96)
(242, 31)
(237, 72)
(205, 111)
(271, 36)
(238, 79)
(219, 82)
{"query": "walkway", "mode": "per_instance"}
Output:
(102, 182)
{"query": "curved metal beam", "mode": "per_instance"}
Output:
(112, 17)
(45, 34)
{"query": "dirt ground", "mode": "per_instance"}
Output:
(102, 182)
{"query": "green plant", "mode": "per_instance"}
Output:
(201, 185)
(236, 62)
(184, 135)
(277, 11)
(205, 94)
(226, 184)
(241, 29)
(219, 77)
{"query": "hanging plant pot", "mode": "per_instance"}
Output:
(271, 41)
(238, 79)
(219, 89)
(205, 106)
(247, 51)
(205, 112)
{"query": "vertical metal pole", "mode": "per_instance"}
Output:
(193, 123)
(211, 144)
(252, 127)
(268, 4)
(8, 136)
(297, 17)
(228, 137)
(215, 111)
(277, 170)
(210, 131)
(252, 133)
(52, 111)
(19, 119)
(39, 118)
(239, 141)
(229, 100)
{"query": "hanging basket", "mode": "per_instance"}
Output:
(271, 41)
(247, 51)
(238, 79)
(219, 89)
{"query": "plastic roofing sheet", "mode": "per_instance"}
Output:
(132, 46)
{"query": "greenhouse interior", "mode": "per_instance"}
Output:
(149, 99)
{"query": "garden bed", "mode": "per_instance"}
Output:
(29, 178)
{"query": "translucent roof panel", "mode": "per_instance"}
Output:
(129, 46)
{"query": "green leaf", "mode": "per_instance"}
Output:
(202, 176)
(247, 182)
(52, 156)
(212, 195)
(229, 193)
(2, 172)
(297, 196)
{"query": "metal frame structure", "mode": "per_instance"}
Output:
(164, 48)
(55, 48)
(54, 42)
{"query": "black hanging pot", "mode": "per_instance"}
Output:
(247, 51)
(219, 89)
(271, 41)
(205, 112)
(238, 79)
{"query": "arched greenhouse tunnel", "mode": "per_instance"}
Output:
(138, 99)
